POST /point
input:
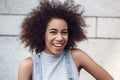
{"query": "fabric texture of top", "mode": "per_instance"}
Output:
(54, 67)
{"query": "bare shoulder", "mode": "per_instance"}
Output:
(26, 63)
(25, 69)
(83, 60)
(77, 52)
(78, 56)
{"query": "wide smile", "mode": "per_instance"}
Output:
(58, 44)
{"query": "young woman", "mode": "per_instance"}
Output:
(51, 31)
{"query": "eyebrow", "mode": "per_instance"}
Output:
(56, 29)
(52, 29)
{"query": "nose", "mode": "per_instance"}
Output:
(59, 37)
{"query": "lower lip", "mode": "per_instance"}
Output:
(58, 48)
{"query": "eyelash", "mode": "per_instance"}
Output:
(53, 32)
(64, 32)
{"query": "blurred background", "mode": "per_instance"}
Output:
(103, 31)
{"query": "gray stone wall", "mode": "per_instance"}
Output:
(103, 32)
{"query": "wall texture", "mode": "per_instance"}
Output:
(103, 32)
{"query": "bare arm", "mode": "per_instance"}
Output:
(86, 62)
(25, 69)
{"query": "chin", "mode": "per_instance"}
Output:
(57, 52)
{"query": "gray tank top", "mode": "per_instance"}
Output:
(54, 67)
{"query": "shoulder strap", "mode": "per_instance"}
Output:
(37, 67)
(68, 64)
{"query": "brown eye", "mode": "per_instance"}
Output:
(53, 32)
(64, 32)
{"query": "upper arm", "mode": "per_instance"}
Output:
(25, 69)
(86, 62)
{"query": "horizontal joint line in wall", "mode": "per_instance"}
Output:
(13, 14)
(5, 35)
(102, 16)
(108, 38)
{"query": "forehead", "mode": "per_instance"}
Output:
(57, 24)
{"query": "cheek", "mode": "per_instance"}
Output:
(48, 39)
(66, 38)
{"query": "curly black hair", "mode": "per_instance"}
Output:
(34, 25)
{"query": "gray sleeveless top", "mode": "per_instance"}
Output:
(54, 67)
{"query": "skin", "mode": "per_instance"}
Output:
(56, 38)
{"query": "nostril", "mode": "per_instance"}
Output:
(59, 37)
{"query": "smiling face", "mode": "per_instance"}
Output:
(56, 36)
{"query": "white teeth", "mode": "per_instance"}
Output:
(58, 45)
